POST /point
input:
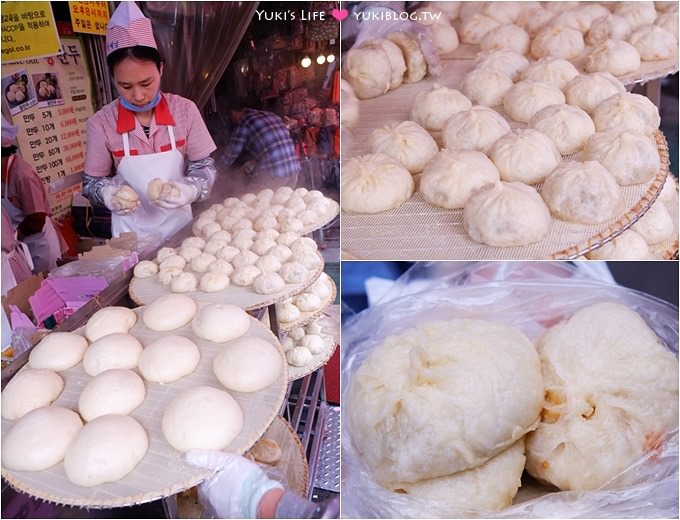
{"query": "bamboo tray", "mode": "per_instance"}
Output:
(330, 325)
(163, 471)
(308, 317)
(144, 291)
(419, 231)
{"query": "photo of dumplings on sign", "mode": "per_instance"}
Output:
(18, 92)
(47, 86)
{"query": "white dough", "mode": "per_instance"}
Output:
(293, 272)
(557, 71)
(168, 359)
(431, 108)
(486, 86)
(185, 282)
(220, 322)
(248, 364)
(145, 269)
(611, 391)
(510, 63)
(287, 312)
(525, 155)
(627, 111)
(39, 439)
(307, 302)
(58, 351)
(105, 450)
(245, 276)
(527, 98)
(630, 157)
(373, 183)
(197, 242)
(168, 274)
(118, 350)
(508, 37)
(654, 43)
(244, 258)
(368, 71)
(506, 214)
(114, 391)
(568, 126)
(173, 261)
(30, 388)
(452, 176)
(656, 225)
(299, 356)
(202, 262)
(435, 399)
(614, 56)
(169, 312)
(314, 343)
(560, 42)
(589, 90)
(108, 321)
(268, 282)
(628, 246)
(214, 281)
(408, 142)
(475, 129)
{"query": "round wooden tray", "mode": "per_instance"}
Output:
(307, 317)
(162, 471)
(144, 291)
(417, 230)
(331, 326)
(324, 219)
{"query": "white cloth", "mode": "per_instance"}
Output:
(44, 246)
(136, 171)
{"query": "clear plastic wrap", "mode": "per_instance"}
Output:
(531, 297)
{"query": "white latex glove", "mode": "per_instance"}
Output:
(175, 194)
(120, 199)
(236, 488)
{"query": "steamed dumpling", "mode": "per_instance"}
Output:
(510, 37)
(474, 29)
(614, 56)
(551, 70)
(568, 126)
(408, 142)
(589, 90)
(486, 86)
(636, 13)
(373, 183)
(474, 129)
(582, 192)
(560, 42)
(656, 225)
(368, 70)
(627, 246)
(525, 155)
(508, 62)
(627, 111)
(506, 214)
(431, 108)
(653, 43)
(527, 97)
(452, 176)
(631, 158)
(609, 27)
(394, 55)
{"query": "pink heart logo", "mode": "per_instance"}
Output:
(340, 14)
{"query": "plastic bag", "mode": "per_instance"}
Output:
(532, 301)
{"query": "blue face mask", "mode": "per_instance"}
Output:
(134, 108)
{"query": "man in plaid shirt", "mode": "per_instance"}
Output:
(267, 139)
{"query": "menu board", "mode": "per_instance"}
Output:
(51, 113)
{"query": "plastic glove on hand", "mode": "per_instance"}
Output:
(175, 194)
(236, 487)
(121, 200)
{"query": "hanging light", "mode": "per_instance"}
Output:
(330, 58)
(321, 59)
(306, 62)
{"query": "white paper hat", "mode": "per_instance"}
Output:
(128, 27)
(9, 133)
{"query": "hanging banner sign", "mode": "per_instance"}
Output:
(89, 17)
(28, 31)
(52, 124)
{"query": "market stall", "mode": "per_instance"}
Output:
(454, 101)
(292, 411)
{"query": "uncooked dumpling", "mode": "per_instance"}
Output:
(489, 487)
(373, 183)
(475, 129)
(169, 312)
(109, 320)
(524, 99)
(627, 246)
(452, 176)
(299, 356)
(654, 43)
(431, 108)
(560, 42)
(31, 388)
(220, 322)
(630, 157)
(117, 350)
(293, 272)
(245, 276)
(656, 225)
(105, 450)
(184, 282)
(145, 269)
(168, 359)
(486, 86)
(287, 312)
(214, 281)
(568, 126)
(58, 351)
(506, 214)
(611, 393)
(268, 283)
(407, 142)
(557, 71)
(627, 111)
(583, 192)
(248, 365)
(115, 391)
(589, 90)
(525, 155)
(614, 56)
(307, 302)
(435, 400)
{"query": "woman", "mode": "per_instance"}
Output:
(145, 135)
(25, 203)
